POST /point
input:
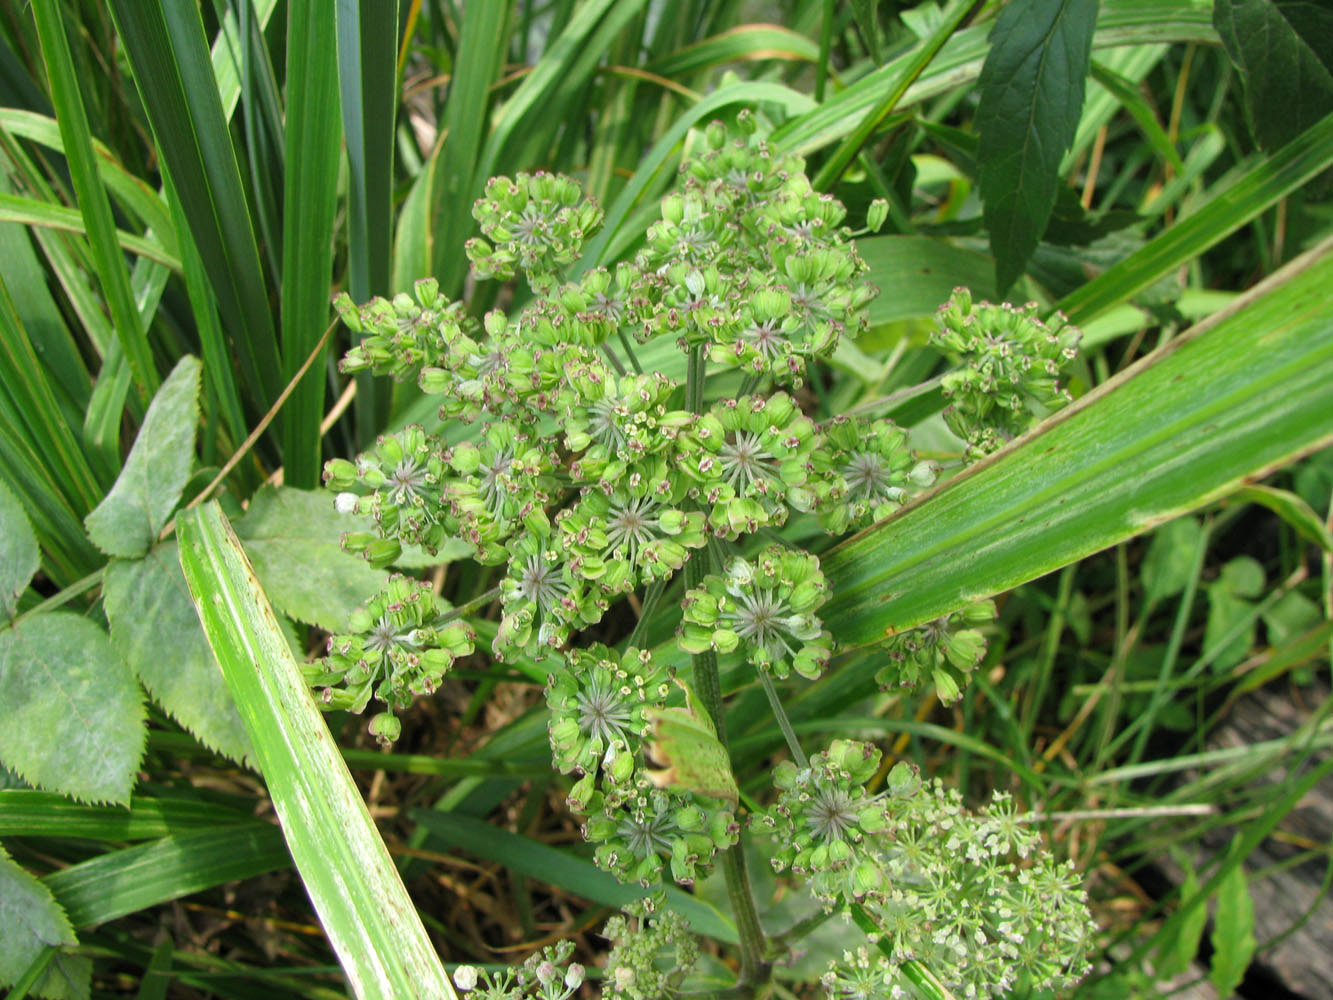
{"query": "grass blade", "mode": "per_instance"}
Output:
(1188, 424)
(352, 882)
(313, 156)
(1306, 156)
(169, 56)
(92, 197)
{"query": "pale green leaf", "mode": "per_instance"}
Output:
(33, 920)
(127, 521)
(1178, 948)
(1292, 509)
(71, 714)
(1233, 932)
(156, 630)
(352, 881)
(19, 557)
(294, 541)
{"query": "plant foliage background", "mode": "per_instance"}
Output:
(187, 187)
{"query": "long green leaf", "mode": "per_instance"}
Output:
(168, 53)
(35, 212)
(1189, 424)
(134, 878)
(28, 813)
(346, 869)
(525, 856)
(481, 50)
(92, 196)
(313, 156)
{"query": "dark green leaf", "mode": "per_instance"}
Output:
(19, 557)
(1287, 86)
(127, 521)
(313, 158)
(71, 714)
(135, 878)
(156, 630)
(867, 20)
(28, 813)
(293, 539)
(33, 920)
(1032, 88)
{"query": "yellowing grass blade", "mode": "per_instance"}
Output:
(360, 899)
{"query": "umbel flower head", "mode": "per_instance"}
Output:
(393, 650)
(636, 835)
(944, 651)
(546, 975)
(599, 702)
(823, 814)
(404, 475)
(764, 607)
(1011, 367)
(402, 334)
(864, 471)
(651, 955)
(535, 223)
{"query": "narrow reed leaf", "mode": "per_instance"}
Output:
(91, 195)
(28, 813)
(313, 157)
(34, 212)
(351, 880)
(1272, 179)
(111, 885)
(167, 52)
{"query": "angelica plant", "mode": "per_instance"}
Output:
(588, 481)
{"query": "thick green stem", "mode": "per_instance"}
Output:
(708, 689)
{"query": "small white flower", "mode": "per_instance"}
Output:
(345, 503)
(465, 978)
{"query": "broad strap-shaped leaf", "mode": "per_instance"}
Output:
(156, 631)
(71, 713)
(355, 888)
(148, 488)
(1190, 423)
(1032, 87)
(19, 557)
(294, 540)
(1287, 86)
(33, 921)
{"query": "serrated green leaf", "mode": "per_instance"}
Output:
(148, 488)
(1032, 87)
(294, 541)
(1177, 949)
(355, 888)
(1287, 86)
(19, 557)
(156, 630)
(1171, 557)
(1233, 932)
(32, 921)
(71, 713)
